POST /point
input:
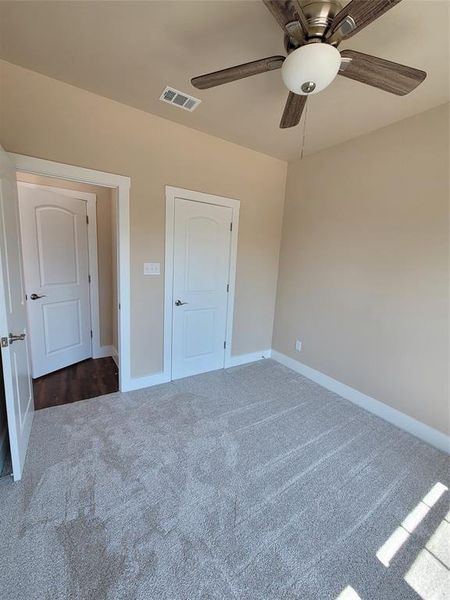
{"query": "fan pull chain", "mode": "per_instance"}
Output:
(304, 131)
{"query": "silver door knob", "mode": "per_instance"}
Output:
(16, 338)
(179, 303)
(36, 297)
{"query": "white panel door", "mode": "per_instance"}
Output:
(13, 321)
(202, 239)
(56, 266)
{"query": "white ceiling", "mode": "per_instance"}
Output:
(129, 51)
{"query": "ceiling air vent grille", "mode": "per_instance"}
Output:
(180, 99)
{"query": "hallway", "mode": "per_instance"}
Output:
(86, 379)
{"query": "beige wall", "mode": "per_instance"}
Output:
(363, 278)
(49, 119)
(364, 265)
(105, 226)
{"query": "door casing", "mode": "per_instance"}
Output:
(120, 185)
(171, 194)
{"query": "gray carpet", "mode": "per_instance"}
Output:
(252, 483)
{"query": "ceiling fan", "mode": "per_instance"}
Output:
(313, 29)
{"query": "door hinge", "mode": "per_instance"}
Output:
(228, 287)
(224, 344)
(5, 342)
(87, 220)
(89, 278)
(231, 226)
(92, 334)
(119, 305)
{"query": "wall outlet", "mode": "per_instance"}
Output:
(152, 269)
(298, 345)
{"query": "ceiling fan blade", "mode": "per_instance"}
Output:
(356, 15)
(293, 110)
(290, 17)
(263, 65)
(377, 72)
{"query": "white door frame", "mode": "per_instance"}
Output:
(91, 205)
(171, 194)
(121, 184)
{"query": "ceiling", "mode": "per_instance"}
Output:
(129, 51)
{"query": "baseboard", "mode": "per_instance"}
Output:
(115, 355)
(105, 351)
(137, 383)
(424, 432)
(243, 359)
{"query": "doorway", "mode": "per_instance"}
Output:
(201, 250)
(16, 368)
(69, 249)
(72, 176)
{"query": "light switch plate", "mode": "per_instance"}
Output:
(152, 268)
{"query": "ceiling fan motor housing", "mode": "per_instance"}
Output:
(320, 15)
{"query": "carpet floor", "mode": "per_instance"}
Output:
(251, 483)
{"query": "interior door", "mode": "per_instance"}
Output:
(202, 240)
(56, 266)
(13, 321)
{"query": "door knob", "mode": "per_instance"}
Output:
(179, 303)
(36, 297)
(16, 338)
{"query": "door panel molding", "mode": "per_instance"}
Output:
(171, 194)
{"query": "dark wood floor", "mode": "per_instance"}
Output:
(87, 379)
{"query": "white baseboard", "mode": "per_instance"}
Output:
(115, 355)
(243, 359)
(105, 351)
(424, 432)
(137, 383)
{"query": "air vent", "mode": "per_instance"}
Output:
(180, 99)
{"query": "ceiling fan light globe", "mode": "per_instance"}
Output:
(314, 64)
